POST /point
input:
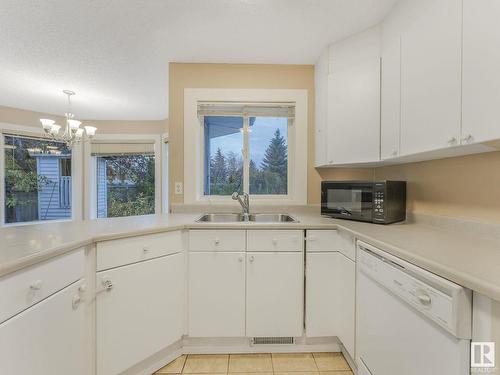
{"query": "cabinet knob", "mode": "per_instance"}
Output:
(217, 241)
(467, 139)
(251, 259)
(145, 249)
(452, 141)
(36, 285)
(76, 301)
(275, 241)
(240, 259)
(395, 153)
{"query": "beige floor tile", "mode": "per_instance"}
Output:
(285, 362)
(250, 363)
(297, 373)
(341, 372)
(331, 361)
(206, 364)
(174, 367)
(249, 373)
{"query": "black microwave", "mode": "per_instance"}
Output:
(382, 202)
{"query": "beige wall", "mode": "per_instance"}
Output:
(462, 187)
(239, 76)
(29, 118)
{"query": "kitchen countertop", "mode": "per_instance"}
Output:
(468, 258)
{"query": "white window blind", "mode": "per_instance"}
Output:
(247, 109)
(98, 148)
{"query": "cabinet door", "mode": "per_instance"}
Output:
(481, 74)
(216, 294)
(46, 339)
(353, 116)
(345, 292)
(390, 101)
(322, 301)
(321, 100)
(274, 304)
(431, 76)
(141, 314)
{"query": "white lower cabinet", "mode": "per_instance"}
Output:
(345, 293)
(140, 314)
(216, 294)
(274, 303)
(48, 338)
(330, 286)
(322, 303)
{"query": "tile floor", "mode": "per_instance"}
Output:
(259, 364)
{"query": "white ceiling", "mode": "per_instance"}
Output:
(115, 53)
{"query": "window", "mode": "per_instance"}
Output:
(38, 180)
(245, 153)
(125, 179)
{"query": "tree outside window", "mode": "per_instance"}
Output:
(267, 158)
(34, 189)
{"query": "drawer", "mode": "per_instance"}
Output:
(216, 240)
(275, 240)
(322, 240)
(116, 253)
(28, 286)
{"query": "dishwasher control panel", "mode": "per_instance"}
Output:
(438, 299)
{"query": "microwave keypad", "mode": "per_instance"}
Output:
(379, 203)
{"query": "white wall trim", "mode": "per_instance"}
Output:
(297, 143)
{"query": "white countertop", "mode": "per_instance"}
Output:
(468, 258)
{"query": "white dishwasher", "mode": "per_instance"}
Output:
(409, 321)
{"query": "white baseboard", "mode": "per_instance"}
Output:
(190, 345)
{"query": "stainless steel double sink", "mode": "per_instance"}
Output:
(251, 218)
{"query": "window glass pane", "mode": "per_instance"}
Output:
(223, 162)
(268, 155)
(35, 186)
(125, 185)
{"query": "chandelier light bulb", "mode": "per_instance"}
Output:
(47, 123)
(79, 133)
(54, 129)
(74, 124)
(90, 130)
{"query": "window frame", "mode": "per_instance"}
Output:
(90, 183)
(76, 174)
(194, 139)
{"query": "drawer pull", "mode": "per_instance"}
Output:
(37, 285)
(145, 249)
(275, 241)
(217, 241)
(252, 258)
(76, 301)
(240, 259)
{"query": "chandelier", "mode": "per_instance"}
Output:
(72, 132)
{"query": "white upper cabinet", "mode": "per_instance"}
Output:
(431, 38)
(353, 100)
(321, 97)
(390, 101)
(481, 71)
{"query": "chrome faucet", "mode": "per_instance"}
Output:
(245, 202)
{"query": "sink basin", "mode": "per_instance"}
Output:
(272, 218)
(240, 218)
(220, 218)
